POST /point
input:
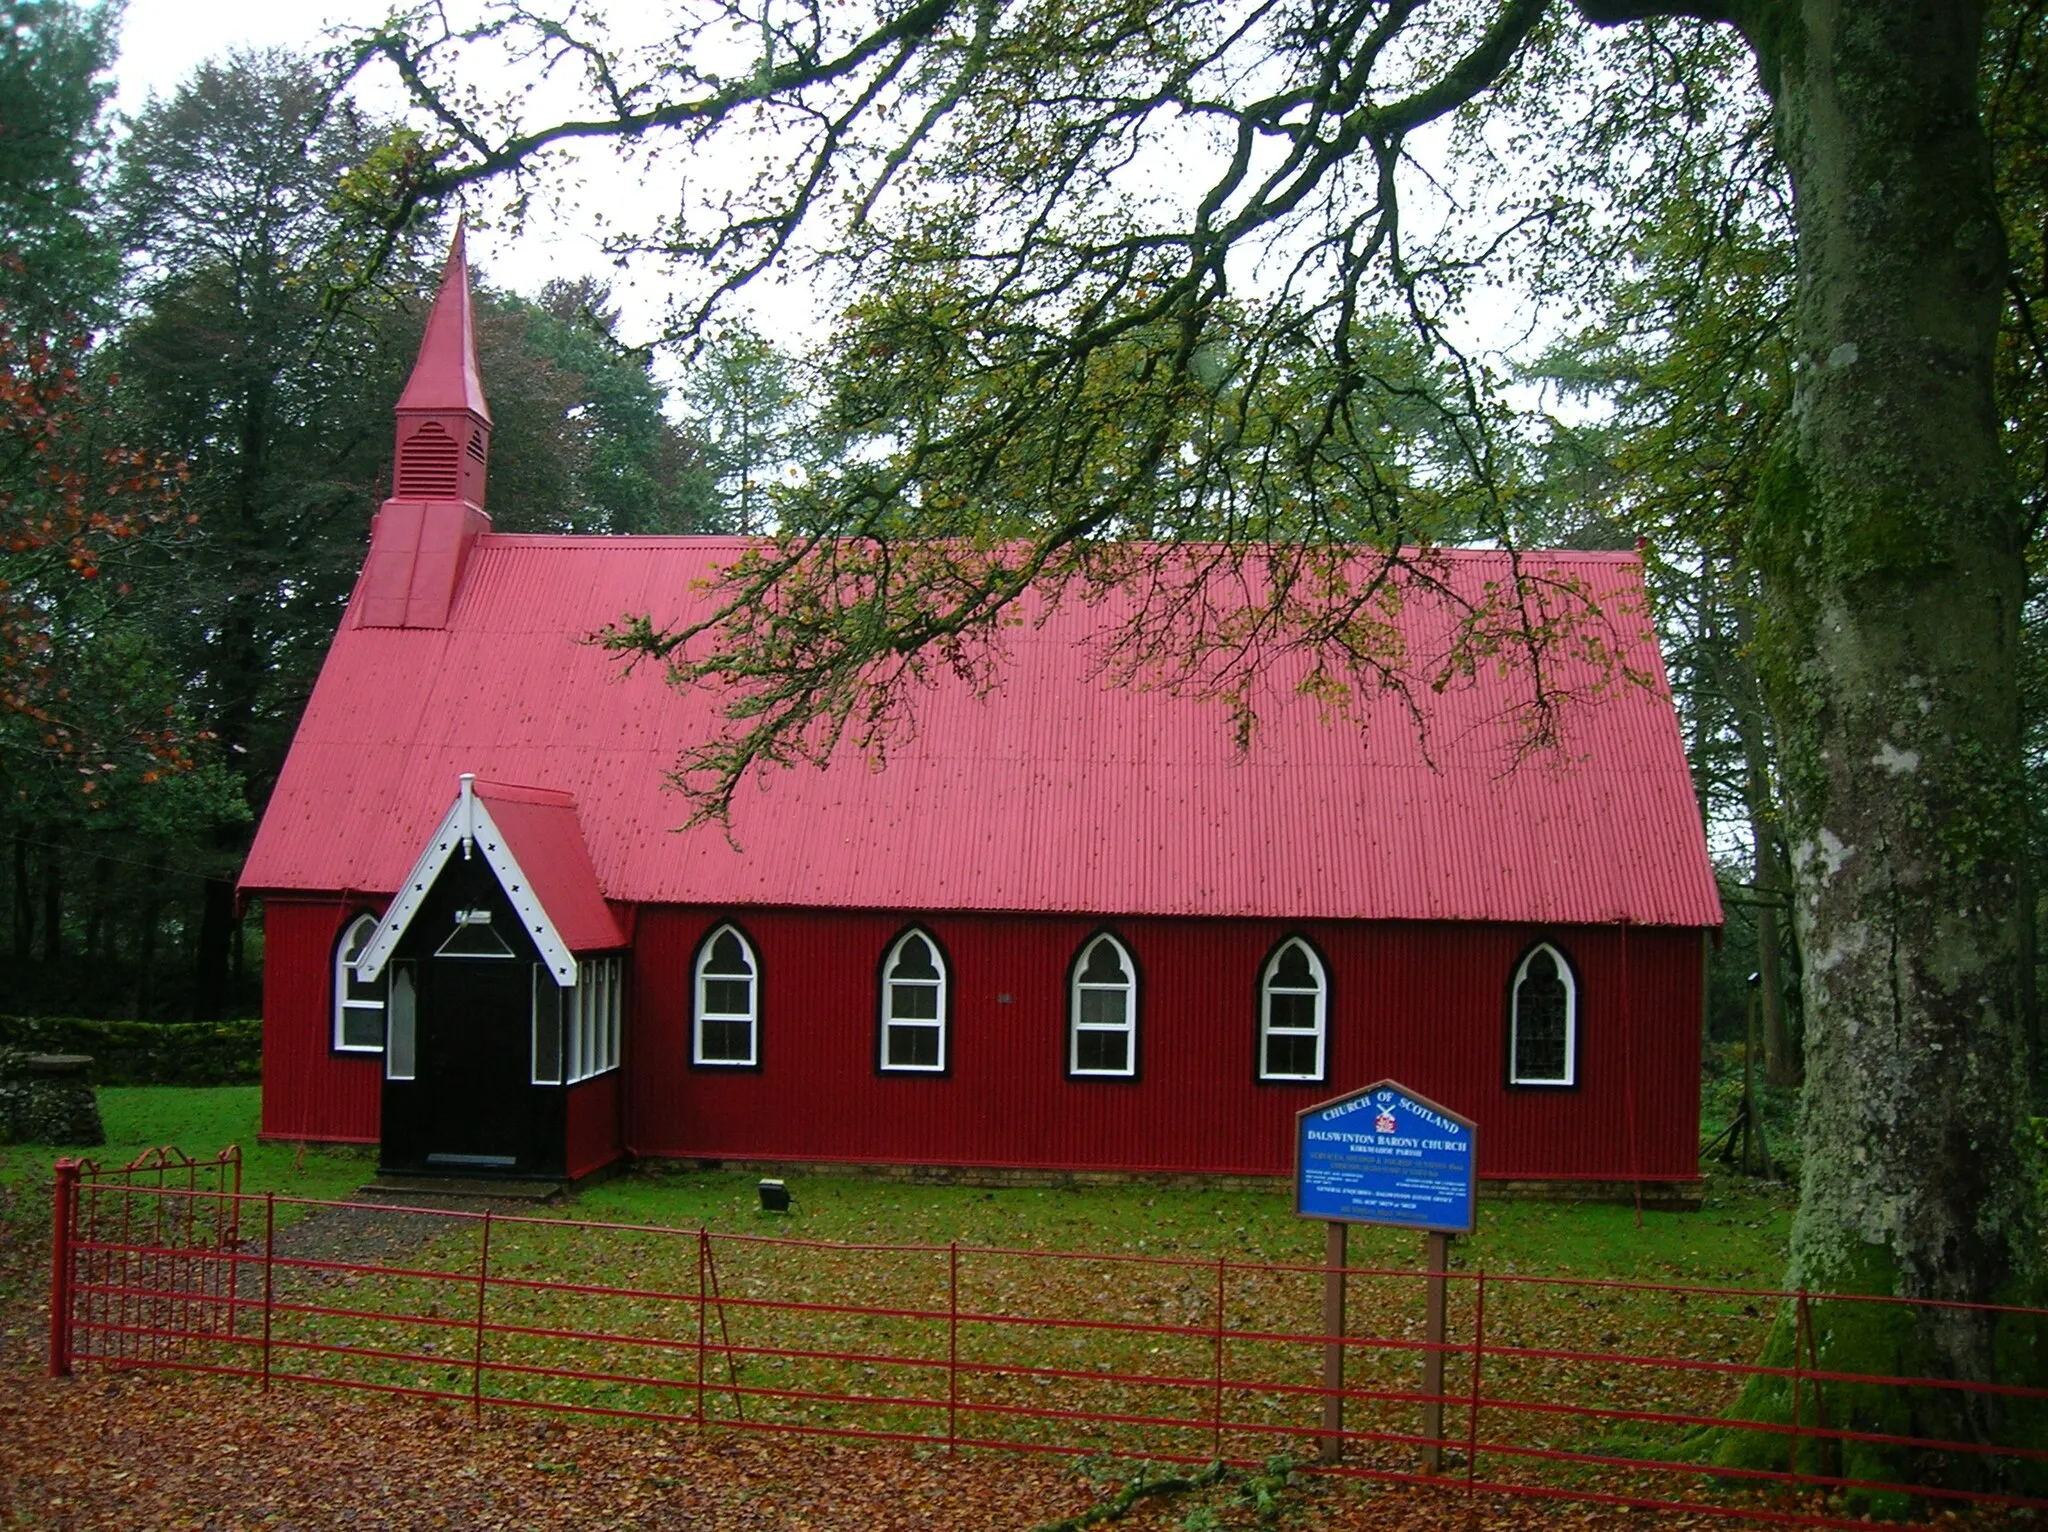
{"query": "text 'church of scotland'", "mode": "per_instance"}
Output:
(1068, 927)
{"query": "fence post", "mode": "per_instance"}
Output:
(1437, 1260)
(191, 1308)
(703, 1240)
(1798, 1369)
(1478, 1357)
(63, 1227)
(1332, 1445)
(952, 1345)
(732, 1374)
(476, 1369)
(228, 1234)
(1216, 1373)
(269, 1260)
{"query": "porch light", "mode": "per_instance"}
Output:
(473, 937)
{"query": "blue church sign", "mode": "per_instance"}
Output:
(1386, 1155)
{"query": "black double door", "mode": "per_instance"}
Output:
(470, 1107)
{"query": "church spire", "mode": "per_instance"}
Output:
(422, 538)
(444, 425)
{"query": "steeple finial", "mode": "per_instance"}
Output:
(445, 376)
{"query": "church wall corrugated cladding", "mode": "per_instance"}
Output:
(309, 1090)
(593, 1136)
(1421, 1003)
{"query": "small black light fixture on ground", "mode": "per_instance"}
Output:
(1385, 1155)
(774, 1197)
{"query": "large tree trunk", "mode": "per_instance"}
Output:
(237, 662)
(214, 953)
(144, 995)
(2030, 991)
(96, 910)
(1890, 545)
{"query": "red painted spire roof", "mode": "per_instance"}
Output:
(445, 376)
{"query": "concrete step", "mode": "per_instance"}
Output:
(429, 1191)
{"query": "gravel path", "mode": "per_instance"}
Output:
(383, 1235)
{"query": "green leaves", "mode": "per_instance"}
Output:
(55, 61)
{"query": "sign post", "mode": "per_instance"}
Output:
(1331, 1445)
(1385, 1155)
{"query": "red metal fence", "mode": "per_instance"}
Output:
(1618, 1392)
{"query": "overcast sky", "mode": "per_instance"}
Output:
(162, 41)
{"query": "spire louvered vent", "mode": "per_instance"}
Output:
(427, 465)
(476, 445)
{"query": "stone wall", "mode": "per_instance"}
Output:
(48, 1099)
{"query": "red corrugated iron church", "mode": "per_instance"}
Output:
(1067, 927)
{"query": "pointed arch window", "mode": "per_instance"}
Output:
(914, 1011)
(359, 1004)
(727, 985)
(1102, 1010)
(1294, 1011)
(1543, 1019)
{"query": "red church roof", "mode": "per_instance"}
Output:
(1054, 792)
(541, 831)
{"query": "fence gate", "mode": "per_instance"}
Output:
(144, 1257)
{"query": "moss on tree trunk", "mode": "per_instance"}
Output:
(1835, 1336)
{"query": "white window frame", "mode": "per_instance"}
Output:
(889, 1021)
(548, 1039)
(346, 951)
(401, 1059)
(1570, 979)
(700, 1009)
(1268, 988)
(1128, 1026)
(592, 1019)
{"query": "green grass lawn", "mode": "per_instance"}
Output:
(1739, 1239)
